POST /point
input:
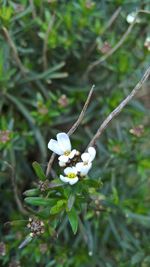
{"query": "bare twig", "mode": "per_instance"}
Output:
(108, 25)
(33, 9)
(73, 128)
(50, 24)
(118, 109)
(17, 199)
(80, 118)
(115, 48)
(14, 50)
(112, 18)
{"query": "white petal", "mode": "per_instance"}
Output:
(64, 178)
(64, 142)
(92, 152)
(79, 166)
(73, 181)
(72, 153)
(130, 18)
(85, 169)
(62, 164)
(68, 170)
(64, 158)
(74, 170)
(54, 146)
(85, 157)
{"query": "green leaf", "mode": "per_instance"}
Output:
(60, 205)
(73, 219)
(137, 258)
(23, 109)
(39, 171)
(39, 201)
(71, 201)
(31, 192)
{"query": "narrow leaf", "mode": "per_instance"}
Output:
(71, 201)
(39, 171)
(39, 201)
(73, 219)
(60, 205)
(31, 192)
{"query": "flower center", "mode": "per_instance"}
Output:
(71, 175)
(66, 153)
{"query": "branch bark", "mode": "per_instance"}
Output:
(118, 109)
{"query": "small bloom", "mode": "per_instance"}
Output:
(147, 43)
(4, 136)
(2, 249)
(71, 176)
(36, 227)
(63, 101)
(62, 147)
(86, 164)
(131, 17)
(105, 48)
(137, 131)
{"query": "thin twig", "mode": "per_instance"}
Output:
(80, 118)
(108, 25)
(118, 109)
(112, 18)
(33, 9)
(50, 24)
(73, 128)
(115, 48)
(14, 50)
(17, 199)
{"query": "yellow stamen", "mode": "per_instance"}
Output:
(71, 175)
(66, 153)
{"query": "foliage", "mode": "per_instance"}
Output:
(103, 220)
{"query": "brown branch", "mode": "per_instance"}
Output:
(117, 46)
(81, 116)
(50, 24)
(73, 128)
(118, 109)
(108, 25)
(14, 186)
(112, 18)
(14, 50)
(33, 9)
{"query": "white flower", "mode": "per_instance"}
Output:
(131, 17)
(62, 147)
(86, 164)
(147, 43)
(71, 176)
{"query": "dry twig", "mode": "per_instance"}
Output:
(17, 199)
(118, 109)
(108, 25)
(14, 50)
(33, 9)
(117, 46)
(73, 128)
(51, 22)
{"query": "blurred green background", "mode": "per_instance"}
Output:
(46, 50)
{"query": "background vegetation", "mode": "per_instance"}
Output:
(46, 48)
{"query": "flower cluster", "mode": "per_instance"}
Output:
(75, 165)
(36, 227)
